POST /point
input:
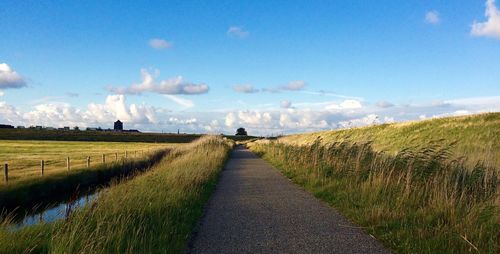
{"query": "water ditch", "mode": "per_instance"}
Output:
(53, 213)
(69, 197)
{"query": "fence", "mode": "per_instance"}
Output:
(71, 163)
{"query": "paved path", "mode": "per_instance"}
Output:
(255, 209)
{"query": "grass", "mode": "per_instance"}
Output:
(109, 136)
(24, 157)
(32, 194)
(476, 137)
(418, 200)
(152, 213)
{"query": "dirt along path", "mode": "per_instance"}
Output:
(255, 209)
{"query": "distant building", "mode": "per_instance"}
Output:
(6, 126)
(118, 126)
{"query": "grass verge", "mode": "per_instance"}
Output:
(418, 201)
(151, 213)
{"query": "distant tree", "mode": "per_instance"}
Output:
(241, 132)
(76, 128)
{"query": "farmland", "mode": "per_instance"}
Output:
(24, 157)
(153, 211)
(429, 186)
(109, 136)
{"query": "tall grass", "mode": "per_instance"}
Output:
(417, 201)
(475, 137)
(152, 213)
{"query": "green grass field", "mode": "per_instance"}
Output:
(24, 157)
(402, 182)
(153, 212)
(109, 136)
(476, 137)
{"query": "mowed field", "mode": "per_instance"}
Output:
(24, 157)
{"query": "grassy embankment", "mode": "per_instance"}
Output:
(421, 199)
(152, 213)
(477, 137)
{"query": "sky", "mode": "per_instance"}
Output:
(272, 67)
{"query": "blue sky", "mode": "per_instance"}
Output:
(281, 66)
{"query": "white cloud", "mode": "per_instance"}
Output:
(2, 93)
(230, 120)
(181, 101)
(171, 86)
(296, 85)
(286, 104)
(432, 17)
(115, 107)
(237, 32)
(346, 104)
(363, 121)
(159, 44)
(490, 27)
(245, 88)
(10, 78)
(188, 121)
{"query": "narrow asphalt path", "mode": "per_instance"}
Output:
(255, 209)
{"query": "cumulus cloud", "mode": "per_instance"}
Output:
(159, 44)
(245, 88)
(171, 86)
(230, 119)
(254, 118)
(10, 78)
(175, 120)
(285, 104)
(432, 17)
(116, 108)
(346, 104)
(237, 32)
(490, 27)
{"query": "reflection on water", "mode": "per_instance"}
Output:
(51, 214)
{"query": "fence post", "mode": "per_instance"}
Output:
(116, 156)
(126, 154)
(103, 158)
(6, 171)
(135, 154)
(88, 161)
(42, 166)
(68, 165)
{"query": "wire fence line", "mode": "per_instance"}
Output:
(41, 167)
